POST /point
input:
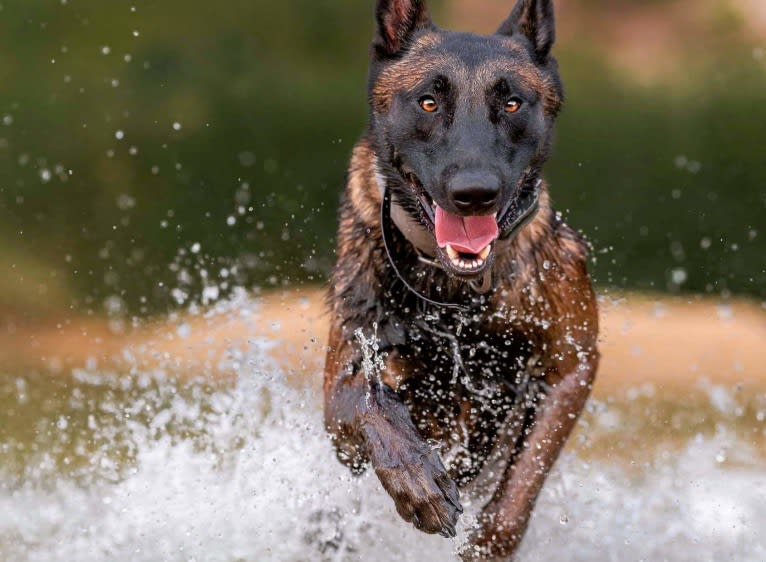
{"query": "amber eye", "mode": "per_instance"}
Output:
(428, 104)
(513, 105)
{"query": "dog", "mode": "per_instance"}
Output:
(452, 261)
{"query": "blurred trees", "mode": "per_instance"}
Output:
(151, 149)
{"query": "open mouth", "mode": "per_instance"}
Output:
(465, 243)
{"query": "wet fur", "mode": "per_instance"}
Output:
(504, 382)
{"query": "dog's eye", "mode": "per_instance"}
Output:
(512, 105)
(428, 104)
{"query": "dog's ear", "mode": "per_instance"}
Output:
(397, 22)
(534, 19)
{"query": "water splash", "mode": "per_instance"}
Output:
(372, 360)
(137, 470)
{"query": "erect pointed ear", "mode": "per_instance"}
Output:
(533, 19)
(398, 20)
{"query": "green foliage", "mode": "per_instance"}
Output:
(668, 182)
(129, 131)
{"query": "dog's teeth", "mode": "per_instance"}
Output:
(467, 264)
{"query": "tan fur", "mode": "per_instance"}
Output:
(529, 75)
(405, 75)
(362, 184)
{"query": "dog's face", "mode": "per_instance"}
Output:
(462, 123)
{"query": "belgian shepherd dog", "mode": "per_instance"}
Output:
(452, 259)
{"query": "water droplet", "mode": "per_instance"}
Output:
(679, 276)
(210, 294)
(184, 330)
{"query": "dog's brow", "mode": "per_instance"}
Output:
(425, 58)
(410, 72)
(526, 75)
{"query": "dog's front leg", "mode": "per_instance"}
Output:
(504, 519)
(369, 421)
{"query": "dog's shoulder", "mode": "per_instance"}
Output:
(362, 192)
(547, 244)
(544, 274)
(360, 250)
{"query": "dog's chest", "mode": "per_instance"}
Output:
(468, 350)
(470, 379)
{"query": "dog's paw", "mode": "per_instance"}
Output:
(423, 493)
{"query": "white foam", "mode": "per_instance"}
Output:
(256, 479)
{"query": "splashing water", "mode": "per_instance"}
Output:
(372, 361)
(128, 468)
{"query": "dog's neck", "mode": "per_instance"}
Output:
(413, 230)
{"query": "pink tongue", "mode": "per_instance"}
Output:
(469, 235)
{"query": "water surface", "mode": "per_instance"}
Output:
(112, 466)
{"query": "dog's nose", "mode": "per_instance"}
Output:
(474, 192)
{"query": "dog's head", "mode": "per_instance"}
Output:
(462, 123)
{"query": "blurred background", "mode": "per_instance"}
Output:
(169, 177)
(149, 149)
